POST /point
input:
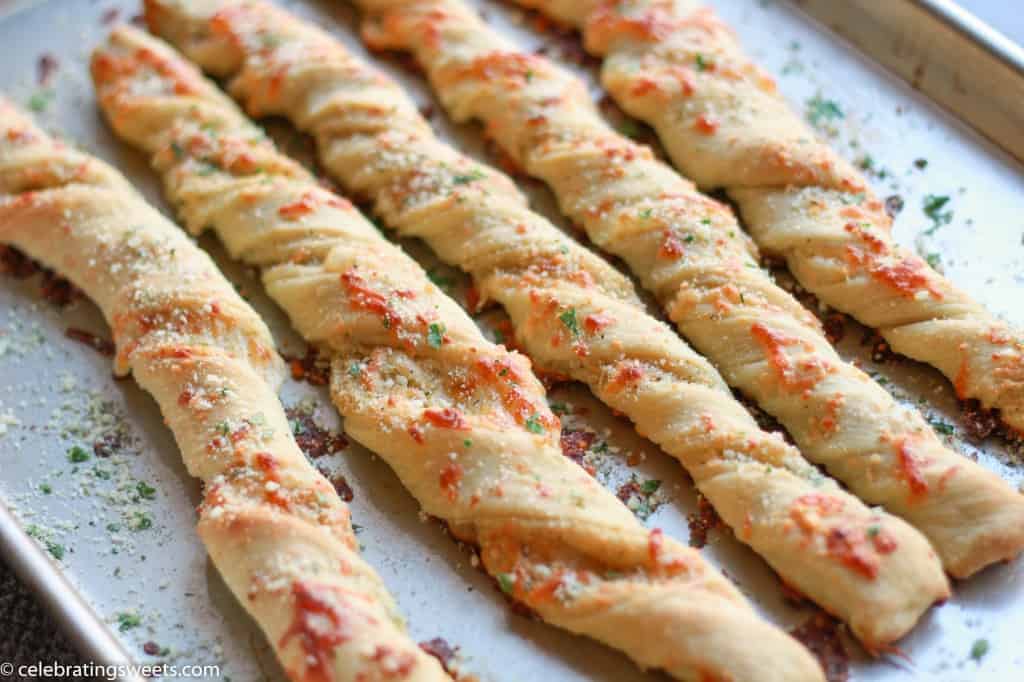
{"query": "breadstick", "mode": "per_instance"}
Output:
(579, 318)
(690, 252)
(676, 66)
(274, 527)
(463, 422)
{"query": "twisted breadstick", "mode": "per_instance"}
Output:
(463, 422)
(578, 317)
(691, 253)
(275, 528)
(676, 66)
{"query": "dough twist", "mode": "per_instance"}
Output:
(274, 527)
(676, 66)
(579, 317)
(690, 252)
(463, 422)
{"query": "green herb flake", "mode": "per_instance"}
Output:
(934, 260)
(39, 101)
(507, 582)
(650, 486)
(177, 150)
(435, 335)
(467, 443)
(629, 129)
(141, 521)
(820, 110)
(533, 425)
(646, 213)
(55, 550)
(568, 319)
(702, 62)
(933, 206)
(78, 454)
(979, 649)
(559, 408)
(442, 281)
(873, 531)
(467, 178)
(146, 491)
(355, 369)
(45, 488)
(127, 621)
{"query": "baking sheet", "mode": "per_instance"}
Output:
(122, 525)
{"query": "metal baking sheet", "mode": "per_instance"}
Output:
(118, 530)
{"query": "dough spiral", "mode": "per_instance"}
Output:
(275, 528)
(463, 422)
(578, 317)
(800, 199)
(691, 253)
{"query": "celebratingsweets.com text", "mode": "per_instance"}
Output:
(55, 670)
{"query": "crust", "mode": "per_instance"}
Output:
(800, 199)
(579, 318)
(464, 423)
(275, 528)
(691, 253)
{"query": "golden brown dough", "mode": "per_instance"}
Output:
(463, 422)
(274, 527)
(724, 124)
(578, 317)
(690, 252)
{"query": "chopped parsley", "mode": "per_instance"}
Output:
(568, 318)
(467, 178)
(942, 427)
(932, 207)
(45, 488)
(176, 148)
(873, 531)
(702, 62)
(559, 408)
(127, 621)
(468, 443)
(355, 369)
(629, 129)
(979, 649)
(146, 491)
(55, 550)
(820, 110)
(141, 521)
(435, 335)
(40, 101)
(533, 425)
(646, 213)
(77, 454)
(440, 280)
(649, 487)
(934, 260)
(506, 581)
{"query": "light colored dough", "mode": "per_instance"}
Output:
(691, 253)
(579, 317)
(464, 423)
(274, 527)
(800, 200)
